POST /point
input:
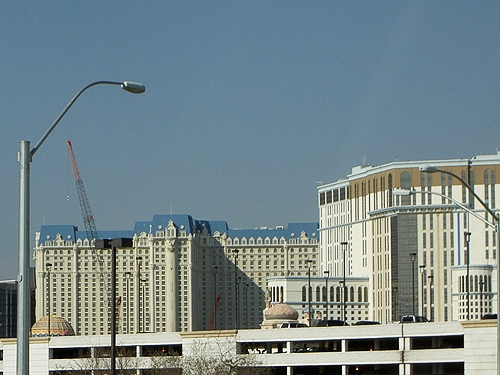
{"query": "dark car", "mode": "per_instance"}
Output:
(331, 323)
(413, 319)
(293, 325)
(366, 323)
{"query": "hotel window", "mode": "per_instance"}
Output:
(329, 196)
(322, 199)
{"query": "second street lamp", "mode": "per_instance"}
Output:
(236, 299)
(326, 293)
(344, 288)
(413, 258)
(49, 291)
(496, 219)
(309, 291)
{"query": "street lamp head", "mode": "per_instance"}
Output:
(401, 192)
(133, 87)
(428, 169)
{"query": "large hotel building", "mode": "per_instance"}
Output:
(180, 274)
(417, 250)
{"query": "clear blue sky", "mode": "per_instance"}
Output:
(248, 104)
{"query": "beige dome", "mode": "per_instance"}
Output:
(281, 311)
(58, 327)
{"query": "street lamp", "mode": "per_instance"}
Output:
(496, 219)
(467, 282)
(128, 275)
(431, 296)
(422, 270)
(215, 297)
(236, 299)
(143, 302)
(309, 261)
(395, 303)
(49, 289)
(113, 245)
(138, 325)
(413, 258)
(25, 156)
(481, 286)
(326, 273)
(344, 288)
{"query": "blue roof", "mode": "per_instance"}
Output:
(182, 222)
(71, 233)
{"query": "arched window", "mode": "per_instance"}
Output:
(405, 183)
(332, 294)
(318, 293)
(323, 294)
(366, 294)
(304, 293)
(360, 294)
(337, 294)
(352, 294)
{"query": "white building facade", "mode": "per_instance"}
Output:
(392, 349)
(180, 274)
(413, 249)
(327, 297)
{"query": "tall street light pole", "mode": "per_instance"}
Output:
(422, 270)
(215, 297)
(113, 244)
(138, 324)
(49, 290)
(496, 219)
(25, 156)
(236, 299)
(344, 289)
(431, 295)
(467, 282)
(309, 261)
(413, 258)
(326, 293)
(128, 275)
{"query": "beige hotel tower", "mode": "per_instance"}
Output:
(418, 250)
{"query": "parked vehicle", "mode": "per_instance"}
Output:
(293, 325)
(366, 323)
(413, 319)
(331, 323)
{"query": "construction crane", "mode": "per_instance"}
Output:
(88, 219)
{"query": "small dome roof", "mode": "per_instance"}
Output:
(58, 327)
(281, 311)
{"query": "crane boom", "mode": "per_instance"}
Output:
(88, 219)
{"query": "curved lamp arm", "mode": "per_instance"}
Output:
(404, 192)
(430, 169)
(132, 87)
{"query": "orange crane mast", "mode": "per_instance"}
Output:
(88, 218)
